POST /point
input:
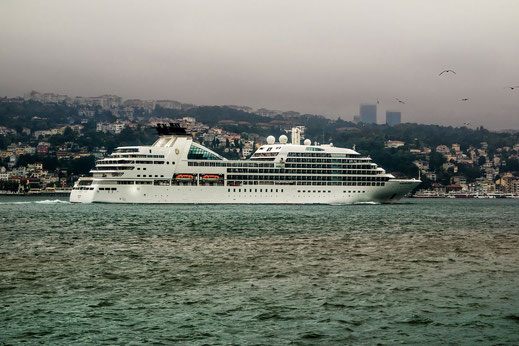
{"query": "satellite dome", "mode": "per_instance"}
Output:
(271, 140)
(283, 139)
(307, 142)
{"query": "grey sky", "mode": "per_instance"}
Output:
(322, 57)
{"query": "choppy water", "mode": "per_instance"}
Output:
(425, 271)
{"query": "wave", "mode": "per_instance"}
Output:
(54, 201)
(356, 203)
(47, 201)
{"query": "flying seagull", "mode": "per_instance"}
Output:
(466, 124)
(396, 98)
(512, 87)
(464, 99)
(446, 71)
(377, 102)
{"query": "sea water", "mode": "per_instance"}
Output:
(422, 271)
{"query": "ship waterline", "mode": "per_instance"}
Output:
(177, 170)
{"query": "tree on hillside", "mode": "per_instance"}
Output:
(82, 165)
(470, 172)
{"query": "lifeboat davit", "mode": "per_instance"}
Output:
(184, 177)
(210, 178)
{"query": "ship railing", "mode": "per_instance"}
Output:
(112, 169)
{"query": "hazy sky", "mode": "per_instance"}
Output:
(321, 57)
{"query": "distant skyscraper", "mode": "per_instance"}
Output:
(368, 113)
(393, 118)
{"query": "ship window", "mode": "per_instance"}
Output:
(233, 190)
(144, 169)
(276, 190)
(138, 175)
(239, 190)
(198, 153)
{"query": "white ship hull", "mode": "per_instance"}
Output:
(392, 192)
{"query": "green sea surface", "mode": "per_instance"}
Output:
(418, 272)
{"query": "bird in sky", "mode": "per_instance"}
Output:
(400, 101)
(466, 124)
(512, 87)
(446, 71)
(464, 99)
(377, 102)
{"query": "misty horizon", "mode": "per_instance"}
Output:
(312, 58)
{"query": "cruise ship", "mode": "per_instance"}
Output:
(175, 169)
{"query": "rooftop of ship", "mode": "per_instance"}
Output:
(274, 152)
(280, 148)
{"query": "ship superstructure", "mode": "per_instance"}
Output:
(175, 169)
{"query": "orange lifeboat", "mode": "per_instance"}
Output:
(210, 178)
(184, 177)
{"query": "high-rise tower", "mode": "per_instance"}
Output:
(393, 118)
(368, 113)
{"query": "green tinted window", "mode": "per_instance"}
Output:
(196, 153)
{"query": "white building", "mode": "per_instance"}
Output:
(394, 144)
(456, 147)
(115, 128)
(246, 152)
(110, 101)
(443, 149)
